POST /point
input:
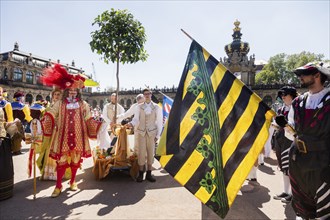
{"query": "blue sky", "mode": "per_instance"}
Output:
(61, 30)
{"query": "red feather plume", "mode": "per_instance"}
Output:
(58, 76)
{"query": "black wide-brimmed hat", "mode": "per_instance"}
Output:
(313, 68)
(287, 90)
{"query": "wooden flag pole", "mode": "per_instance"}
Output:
(34, 174)
(187, 35)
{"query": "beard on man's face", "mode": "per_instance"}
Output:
(306, 84)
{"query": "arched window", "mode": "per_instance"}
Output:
(101, 104)
(38, 80)
(94, 104)
(18, 74)
(268, 100)
(39, 97)
(5, 75)
(128, 103)
(29, 98)
(85, 89)
(29, 77)
(122, 102)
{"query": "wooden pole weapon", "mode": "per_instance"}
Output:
(34, 137)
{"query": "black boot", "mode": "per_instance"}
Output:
(149, 177)
(140, 177)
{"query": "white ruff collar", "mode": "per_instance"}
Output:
(72, 105)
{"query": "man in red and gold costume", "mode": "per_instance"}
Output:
(70, 116)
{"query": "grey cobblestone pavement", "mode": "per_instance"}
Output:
(119, 197)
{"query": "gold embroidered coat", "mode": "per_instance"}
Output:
(71, 128)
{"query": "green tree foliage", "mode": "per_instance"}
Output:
(119, 39)
(279, 68)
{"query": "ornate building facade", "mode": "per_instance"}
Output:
(21, 71)
(245, 67)
(238, 61)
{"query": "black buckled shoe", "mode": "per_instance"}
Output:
(286, 199)
(149, 177)
(140, 177)
(280, 196)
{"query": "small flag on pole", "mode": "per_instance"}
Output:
(167, 105)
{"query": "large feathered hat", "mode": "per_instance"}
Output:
(58, 76)
(313, 68)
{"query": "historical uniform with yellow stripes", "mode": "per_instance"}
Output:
(6, 168)
(6, 107)
(22, 112)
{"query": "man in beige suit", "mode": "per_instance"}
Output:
(109, 110)
(148, 120)
(108, 115)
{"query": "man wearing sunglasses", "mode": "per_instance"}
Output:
(282, 144)
(309, 167)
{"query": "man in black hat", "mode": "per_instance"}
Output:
(309, 167)
(283, 144)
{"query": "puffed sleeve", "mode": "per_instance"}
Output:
(9, 112)
(27, 113)
(105, 114)
(136, 119)
(289, 135)
(55, 109)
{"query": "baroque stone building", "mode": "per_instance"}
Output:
(245, 67)
(238, 61)
(21, 71)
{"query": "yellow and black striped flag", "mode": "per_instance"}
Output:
(215, 131)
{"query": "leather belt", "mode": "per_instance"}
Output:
(304, 146)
